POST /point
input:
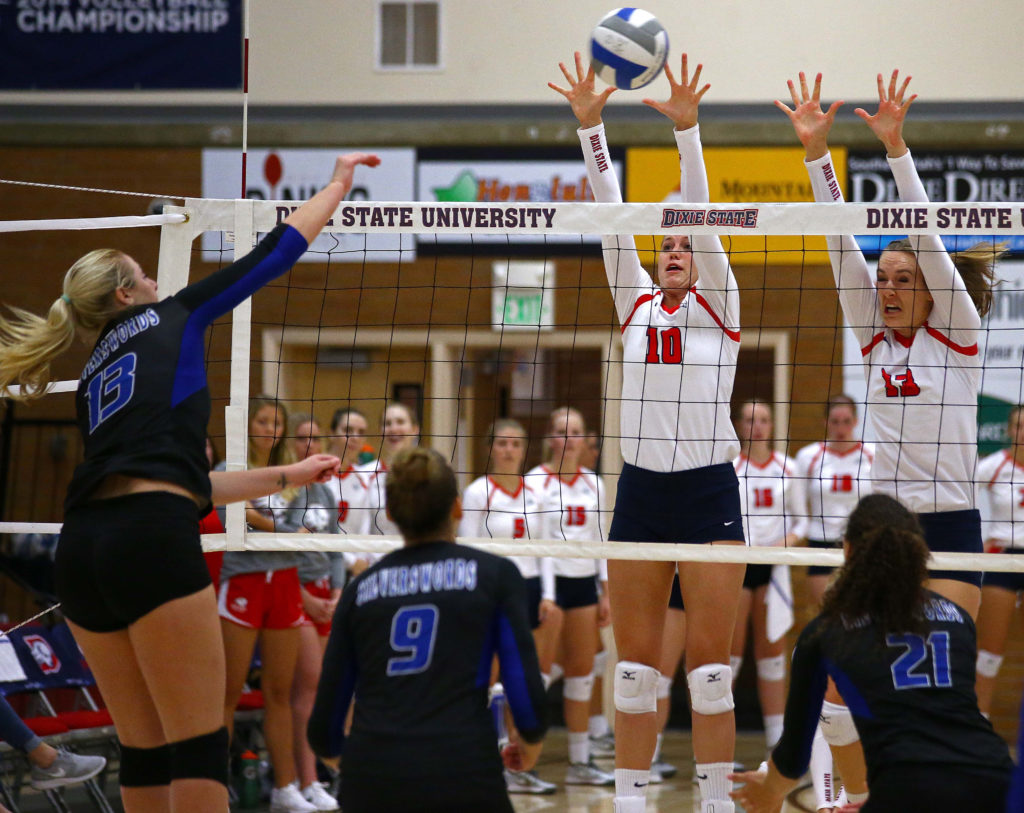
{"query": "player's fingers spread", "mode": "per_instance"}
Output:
(696, 75)
(817, 89)
(805, 94)
(792, 93)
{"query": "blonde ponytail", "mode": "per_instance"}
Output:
(29, 343)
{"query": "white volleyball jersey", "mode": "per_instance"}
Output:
(374, 474)
(1001, 500)
(488, 510)
(923, 391)
(828, 485)
(573, 510)
(767, 497)
(350, 496)
(678, 365)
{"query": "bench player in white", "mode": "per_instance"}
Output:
(502, 504)
(572, 508)
(680, 343)
(771, 517)
(1001, 496)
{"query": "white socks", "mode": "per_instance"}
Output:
(598, 726)
(631, 783)
(772, 729)
(713, 779)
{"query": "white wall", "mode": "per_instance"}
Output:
(312, 52)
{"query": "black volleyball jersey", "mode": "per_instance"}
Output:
(414, 639)
(912, 696)
(142, 402)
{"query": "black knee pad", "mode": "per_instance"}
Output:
(145, 767)
(202, 757)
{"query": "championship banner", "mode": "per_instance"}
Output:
(289, 175)
(735, 175)
(122, 45)
(996, 177)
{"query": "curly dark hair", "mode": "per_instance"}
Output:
(885, 571)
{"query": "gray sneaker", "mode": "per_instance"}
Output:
(665, 769)
(67, 769)
(587, 773)
(527, 782)
(603, 746)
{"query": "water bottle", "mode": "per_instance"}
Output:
(249, 791)
(498, 703)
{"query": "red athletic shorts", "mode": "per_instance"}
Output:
(263, 600)
(321, 588)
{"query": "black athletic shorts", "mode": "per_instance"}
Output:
(675, 598)
(820, 544)
(937, 788)
(757, 576)
(121, 558)
(441, 793)
(575, 591)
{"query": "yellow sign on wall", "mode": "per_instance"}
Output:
(735, 175)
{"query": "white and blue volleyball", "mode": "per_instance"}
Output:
(628, 48)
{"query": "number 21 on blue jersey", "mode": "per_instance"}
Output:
(905, 672)
(413, 632)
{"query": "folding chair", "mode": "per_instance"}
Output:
(51, 662)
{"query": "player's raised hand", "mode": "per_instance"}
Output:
(684, 97)
(811, 123)
(893, 104)
(585, 101)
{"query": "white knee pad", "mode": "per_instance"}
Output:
(711, 688)
(636, 687)
(600, 663)
(988, 663)
(837, 724)
(578, 688)
(664, 687)
(772, 668)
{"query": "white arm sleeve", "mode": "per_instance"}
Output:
(716, 282)
(854, 281)
(626, 277)
(953, 309)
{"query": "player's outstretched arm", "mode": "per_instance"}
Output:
(235, 486)
(311, 217)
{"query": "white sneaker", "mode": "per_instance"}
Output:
(317, 795)
(587, 773)
(666, 770)
(656, 776)
(528, 782)
(289, 800)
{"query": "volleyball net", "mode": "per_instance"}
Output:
(468, 313)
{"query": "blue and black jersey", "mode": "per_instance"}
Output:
(414, 639)
(143, 403)
(912, 696)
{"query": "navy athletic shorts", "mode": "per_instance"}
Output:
(1014, 582)
(954, 532)
(575, 591)
(120, 558)
(822, 570)
(694, 506)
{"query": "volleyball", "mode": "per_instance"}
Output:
(628, 48)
